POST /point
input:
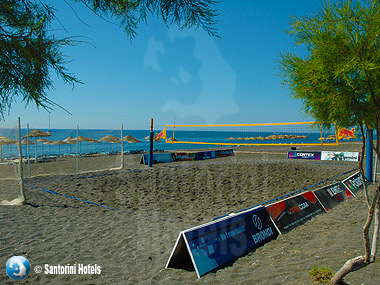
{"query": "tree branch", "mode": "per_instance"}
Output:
(350, 266)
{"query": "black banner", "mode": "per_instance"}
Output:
(295, 211)
(332, 195)
(354, 183)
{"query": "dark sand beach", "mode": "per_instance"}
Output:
(132, 246)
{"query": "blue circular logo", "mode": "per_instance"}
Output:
(18, 267)
(257, 222)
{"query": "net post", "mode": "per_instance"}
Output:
(150, 157)
(77, 149)
(122, 148)
(369, 156)
(28, 149)
(20, 162)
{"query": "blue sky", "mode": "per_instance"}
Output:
(183, 77)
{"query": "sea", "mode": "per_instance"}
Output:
(217, 137)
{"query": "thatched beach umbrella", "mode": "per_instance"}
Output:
(110, 139)
(59, 143)
(5, 141)
(80, 139)
(44, 141)
(26, 141)
(155, 138)
(86, 139)
(70, 140)
(130, 139)
(37, 133)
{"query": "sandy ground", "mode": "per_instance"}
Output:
(133, 245)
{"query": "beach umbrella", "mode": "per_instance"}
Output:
(130, 139)
(110, 139)
(155, 138)
(26, 141)
(70, 140)
(5, 141)
(37, 133)
(80, 139)
(59, 143)
(85, 139)
(44, 141)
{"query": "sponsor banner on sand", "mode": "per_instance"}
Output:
(224, 153)
(292, 212)
(183, 156)
(205, 155)
(186, 156)
(339, 155)
(293, 154)
(354, 183)
(332, 195)
(157, 158)
(211, 246)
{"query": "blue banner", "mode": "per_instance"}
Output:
(218, 243)
(157, 158)
(186, 156)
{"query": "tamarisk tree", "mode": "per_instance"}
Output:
(30, 52)
(338, 80)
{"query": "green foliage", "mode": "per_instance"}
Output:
(321, 275)
(30, 52)
(184, 14)
(338, 80)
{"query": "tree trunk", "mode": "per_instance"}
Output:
(350, 266)
(360, 261)
(368, 224)
(375, 232)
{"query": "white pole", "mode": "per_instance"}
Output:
(77, 149)
(122, 148)
(28, 149)
(20, 162)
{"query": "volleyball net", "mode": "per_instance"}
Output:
(292, 134)
(10, 172)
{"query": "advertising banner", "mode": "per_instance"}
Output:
(292, 212)
(205, 155)
(178, 156)
(354, 183)
(339, 155)
(186, 156)
(332, 195)
(224, 153)
(315, 155)
(212, 245)
(157, 158)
